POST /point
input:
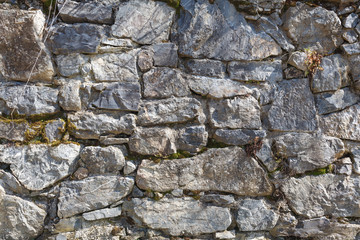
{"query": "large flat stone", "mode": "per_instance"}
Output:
(91, 193)
(18, 55)
(238, 136)
(293, 108)
(38, 166)
(256, 71)
(206, 67)
(213, 31)
(223, 169)
(144, 21)
(179, 216)
(71, 64)
(328, 194)
(332, 102)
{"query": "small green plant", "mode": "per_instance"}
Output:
(312, 61)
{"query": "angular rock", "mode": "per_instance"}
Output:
(69, 96)
(256, 71)
(76, 38)
(293, 108)
(212, 31)
(165, 82)
(292, 72)
(145, 60)
(24, 58)
(165, 55)
(87, 125)
(13, 130)
(351, 49)
(238, 136)
(356, 159)
(350, 36)
(334, 74)
(115, 67)
(20, 219)
(74, 12)
(354, 69)
(192, 138)
(102, 213)
(172, 110)
(177, 217)
(297, 59)
(38, 166)
(225, 235)
(217, 88)
(71, 64)
(10, 184)
(91, 193)
(54, 130)
(313, 27)
(28, 99)
(344, 124)
(223, 169)
(255, 215)
(344, 166)
(129, 167)
(235, 113)
(258, 6)
(145, 22)
(351, 20)
(119, 96)
(100, 160)
(307, 152)
(116, 42)
(265, 155)
(328, 194)
(206, 67)
(332, 102)
(218, 200)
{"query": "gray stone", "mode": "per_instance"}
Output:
(10, 184)
(91, 193)
(115, 67)
(351, 49)
(165, 54)
(129, 167)
(217, 88)
(28, 99)
(145, 22)
(297, 59)
(71, 64)
(172, 110)
(225, 235)
(293, 108)
(256, 71)
(69, 96)
(105, 140)
(238, 136)
(307, 152)
(218, 200)
(333, 75)
(328, 194)
(20, 219)
(292, 72)
(212, 31)
(177, 217)
(38, 166)
(350, 36)
(258, 6)
(145, 60)
(351, 20)
(13, 130)
(354, 69)
(153, 141)
(344, 166)
(116, 42)
(223, 169)
(54, 130)
(73, 12)
(76, 38)
(164, 82)
(192, 138)
(119, 96)
(313, 27)
(344, 124)
(255, 215)
(235, 113)
(206, 67)
(355, 151)
(87, 125)
(332, 102)
(102, 213)
(357, 28)
(24, 58)
(265, 155)
(100, 160)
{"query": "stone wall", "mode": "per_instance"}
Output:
(208, 119)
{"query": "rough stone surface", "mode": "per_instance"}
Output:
(316, 196)
(351, 49)
(313, 27)
(129, 167)
(38, 166)
(69, 96)
(13, 130)
(172, 110)
(184, 216)
(87, 125)
(255, 71)
(350, 36)
(306, 152)
(258, 6)
(332, 102)
(54, 130)
(293, 108)
(255, 215)
(20, 219)
(145, 22)
(351, 20)
(192, 138)
(102, 213)
(145, 60)
(100, 160)
(238, 136)
(297, 59)
(344, 124)
(70, 65)
(235, 113)
(356, 159)
(91, 193)
(164, 82)
(212, 31)
(224, 169)
(18, 55)
(206, 67)
(10, 184)
(165, 55)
